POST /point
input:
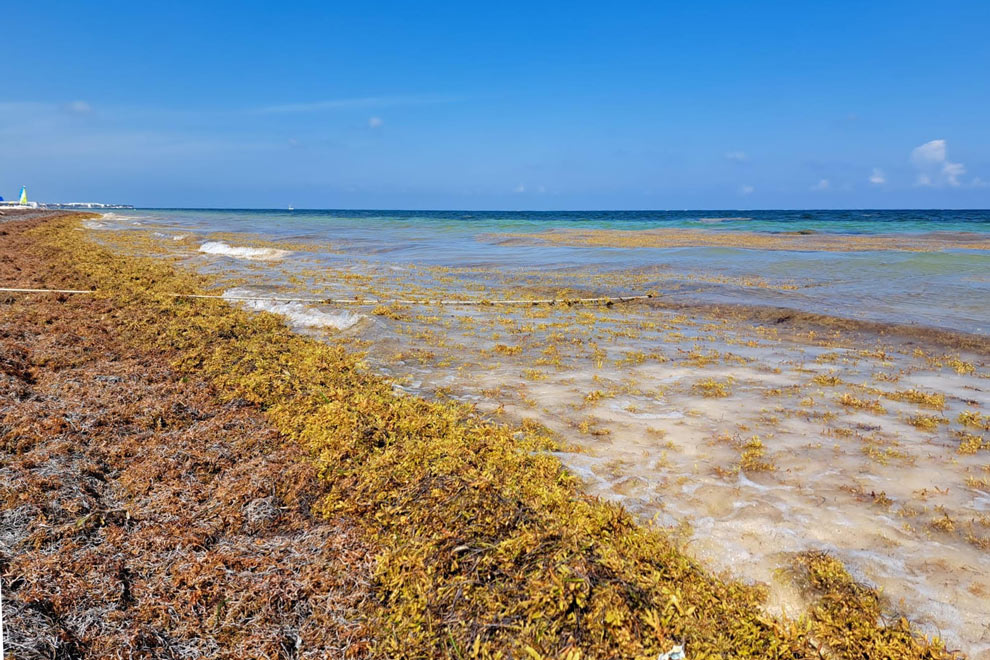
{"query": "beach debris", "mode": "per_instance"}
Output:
(676, 653)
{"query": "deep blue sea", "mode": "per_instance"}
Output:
(827, 221)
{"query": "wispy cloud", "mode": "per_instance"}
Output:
(877, 177)
(362, 102)
(823, 184)
(32, 130)
(78, 108)
(931, 159)
(11, 107)
(375, 122)
(737, 156)
(746, 189)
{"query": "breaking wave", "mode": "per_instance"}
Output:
(297, 314)
(261, 254)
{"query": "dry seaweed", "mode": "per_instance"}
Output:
(141, 517)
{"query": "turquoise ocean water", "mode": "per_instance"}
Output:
(944, 289)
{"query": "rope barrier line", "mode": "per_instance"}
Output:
(373, 301)
(46, 291)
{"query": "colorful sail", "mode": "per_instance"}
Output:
(24, 195)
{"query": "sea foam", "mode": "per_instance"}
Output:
(297, 314)
(238, 252)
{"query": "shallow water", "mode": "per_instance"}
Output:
(754, 440)
(948, 288)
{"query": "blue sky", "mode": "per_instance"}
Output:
(505, 105)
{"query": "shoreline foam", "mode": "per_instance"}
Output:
(298, 315)
(219, 248)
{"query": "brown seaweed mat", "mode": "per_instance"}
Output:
(142, 517)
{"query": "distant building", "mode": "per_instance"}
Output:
(23, 203)
(86, 205)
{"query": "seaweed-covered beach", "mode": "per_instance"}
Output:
(144, 515)
(759, 402)
(184, 478)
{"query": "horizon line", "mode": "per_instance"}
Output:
(561, 210)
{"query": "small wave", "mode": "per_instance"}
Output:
(297, 314)
(225, 250)
(120, 217)
(180, 237)
(93, 224)
(709, 221)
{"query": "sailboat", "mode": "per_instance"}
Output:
(22, 201)
(290, 207)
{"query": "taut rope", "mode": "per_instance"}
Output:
(374, 301)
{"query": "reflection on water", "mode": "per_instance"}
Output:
(755, 440)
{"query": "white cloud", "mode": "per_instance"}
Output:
(523, 188)
(934, 167)
(878, 177)
(930, 152)
(824, 184)
(737, 156)
(746, 189)
(375, 122)
(952, 172)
